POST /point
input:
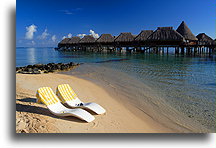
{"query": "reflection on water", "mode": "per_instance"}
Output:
(186, 83)
(31, 55)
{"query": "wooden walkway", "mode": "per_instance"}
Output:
(165, 49)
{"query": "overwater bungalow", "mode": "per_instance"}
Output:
(204, 39)
(146, 40)
(74, 40)
(143, 36)
(87, 43)
(124, 40)
(105, 41)
(141, 40)
(205, 43)
(74, 43)
(88, 39)
(165, 36)
(64, 43)
(184, 30)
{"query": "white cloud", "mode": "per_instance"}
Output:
(69, 35)
(30, 32)
(81, 35)
(95, 35)
(67, 12)
(71, 11)
(53, 38)
(44, 35)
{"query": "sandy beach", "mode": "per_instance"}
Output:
(32, 117)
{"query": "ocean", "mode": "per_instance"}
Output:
(185, 84)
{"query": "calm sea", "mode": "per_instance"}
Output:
(186, 83)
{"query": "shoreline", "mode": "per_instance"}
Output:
(141, 97)
(35, 118)
(123, 116)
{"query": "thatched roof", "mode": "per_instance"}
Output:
(105, 38)
(65, 41)
(202, 37)
(144, 34)
(74, 40)
(125, 37)
(186, 32)
(165, 34)
(87, 39)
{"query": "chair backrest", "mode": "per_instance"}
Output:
(65, 93)
(46, 96)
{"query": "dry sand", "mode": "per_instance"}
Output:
(32, 117)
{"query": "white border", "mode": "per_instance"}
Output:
(10, 139)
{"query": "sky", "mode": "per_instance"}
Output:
(44, 23)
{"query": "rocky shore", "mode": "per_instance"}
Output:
(45, 68)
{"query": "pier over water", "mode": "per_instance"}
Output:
(160, 41)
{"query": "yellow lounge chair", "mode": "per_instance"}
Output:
(69, 97)
(48, 97)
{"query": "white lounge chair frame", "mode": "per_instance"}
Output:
(48, 97)
(69, 97)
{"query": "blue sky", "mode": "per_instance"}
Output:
(46, 22)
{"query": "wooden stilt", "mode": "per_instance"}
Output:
(182, 50)
(167, 50)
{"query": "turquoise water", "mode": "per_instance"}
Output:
(186, 83)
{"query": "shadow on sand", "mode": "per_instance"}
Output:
(41, 111)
